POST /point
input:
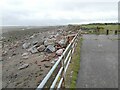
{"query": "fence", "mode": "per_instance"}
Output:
(63, 61)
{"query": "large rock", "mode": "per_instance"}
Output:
(26, 45)
(63, 42)
(13, 54)
(41, 48)
(52, 62)
(33, 50)
(59, 52)
(25, 56)
(35, 42)
(46, 66)
(57, 46)
(16, 44)
(23, 66)
(4, 53)
(31, 37)
(49, 42)
(50, 48)
(49, 57)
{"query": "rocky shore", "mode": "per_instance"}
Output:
(26, 61)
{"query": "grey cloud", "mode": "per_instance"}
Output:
(13, 14)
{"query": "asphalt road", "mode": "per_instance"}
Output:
(99, 62)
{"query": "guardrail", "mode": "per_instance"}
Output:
(63, 61)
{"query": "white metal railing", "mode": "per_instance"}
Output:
(64, 61)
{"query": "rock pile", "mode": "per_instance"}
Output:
(33, 55)
(55, 43)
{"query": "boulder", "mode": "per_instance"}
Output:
(59, 52)
(50, 48)
(23, 66)
(24, 54)
(40, 43)
(46, 66)
(41, 48)
(26, 45)
(49, 42)
(4, 53)
(57, 46)
(52, 62)
(63, 42)
(49, 57)
(31, 37)
(52, 36)
(25, 57)
(16, 44)
(33, 50)
(35, 42)
(13, 54)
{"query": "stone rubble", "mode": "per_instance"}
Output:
(55, 43)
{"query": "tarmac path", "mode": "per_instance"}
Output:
(99, 62)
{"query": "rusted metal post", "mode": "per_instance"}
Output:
(107, 32)
(116, 32)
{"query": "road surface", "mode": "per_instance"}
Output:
(99, 62)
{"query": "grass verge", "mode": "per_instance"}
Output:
(74, 66)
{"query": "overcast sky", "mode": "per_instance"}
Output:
(58, 12)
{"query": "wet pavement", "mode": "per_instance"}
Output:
(99, 62)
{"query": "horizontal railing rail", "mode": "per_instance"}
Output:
(63, 61)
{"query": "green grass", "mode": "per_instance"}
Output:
(103, 29)
(72, 72)
(111, 27)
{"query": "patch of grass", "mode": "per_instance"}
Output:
(115, 39)
(73, 69)
(96, 39)
(103, 28)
